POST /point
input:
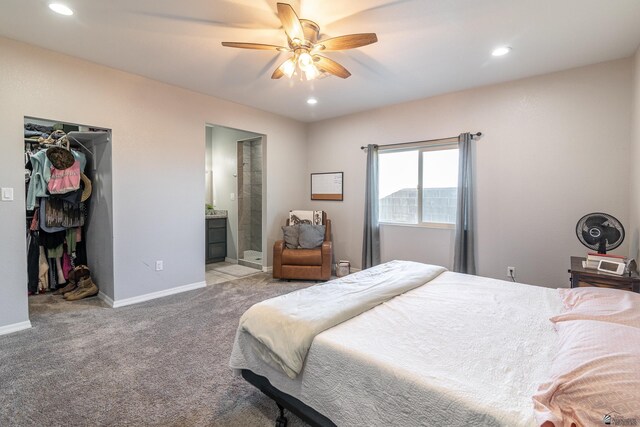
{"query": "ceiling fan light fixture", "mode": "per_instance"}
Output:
(305, 61)
(311, 72)
(61, 9)
(289, 67)
(303, 41)
(501, 51)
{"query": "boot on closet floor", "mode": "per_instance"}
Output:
(75, 276)
(86, 288)
(70, 287)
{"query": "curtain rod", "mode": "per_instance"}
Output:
(477, 134)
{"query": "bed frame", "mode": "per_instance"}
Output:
(286, 401)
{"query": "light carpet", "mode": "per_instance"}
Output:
(237, 270)
(159, 363)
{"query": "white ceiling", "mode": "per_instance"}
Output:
(426, 47)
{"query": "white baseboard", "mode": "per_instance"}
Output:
(152, 295)
(105, 298)
(267, 269)
(14, 327)
(354, 270)
(230, 260)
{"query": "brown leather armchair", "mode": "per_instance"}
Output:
(304, 264)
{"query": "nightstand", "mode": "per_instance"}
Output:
(581, 276)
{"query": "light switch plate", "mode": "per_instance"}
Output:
(7, 194)
(233, 196)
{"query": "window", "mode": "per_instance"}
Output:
(433, 169)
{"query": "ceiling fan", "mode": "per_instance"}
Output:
(302, 37)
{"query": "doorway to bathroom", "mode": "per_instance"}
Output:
(249, 174)
(234, 197)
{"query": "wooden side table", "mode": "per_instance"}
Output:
(581, 276)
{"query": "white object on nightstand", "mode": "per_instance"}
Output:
(611, 267)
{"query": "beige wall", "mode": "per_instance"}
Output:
(634, 161)
(555, 147)
(537, 166)
(158, 165)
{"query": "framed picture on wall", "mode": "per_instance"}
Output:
(327, 186)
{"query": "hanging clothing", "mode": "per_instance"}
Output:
(62, 181)
(43, 219)
(38, 128)
(60, 272)
(74, 215)
(35, 226)
(38, 184)
(71, 240)
(73, 197)
(33, 262)
(67, 265)
(52, 240)
(81, 253)
(56, 252)
(53, 277)
(58, 215)
(42, 174)
(43, 278)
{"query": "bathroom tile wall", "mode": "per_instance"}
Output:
(249, 196)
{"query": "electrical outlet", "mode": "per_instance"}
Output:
(159, 265)
(511, 272)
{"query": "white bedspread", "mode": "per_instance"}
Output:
(285, 326)
(461, 350)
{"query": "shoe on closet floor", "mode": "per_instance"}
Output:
(79, 273)
(86, 288)
(70, 287)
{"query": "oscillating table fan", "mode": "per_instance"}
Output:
(600, 231)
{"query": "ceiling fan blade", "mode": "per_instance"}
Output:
(278, 73)
(258, 46)
(290, 22)
(330, 66)
(351, 41)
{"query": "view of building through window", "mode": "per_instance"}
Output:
(399, 181)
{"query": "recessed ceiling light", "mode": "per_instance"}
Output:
(501, 51)
(312, 101)
(61, 9)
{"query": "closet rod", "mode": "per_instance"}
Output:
(400, 144)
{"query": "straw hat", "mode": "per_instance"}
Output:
(86, 190)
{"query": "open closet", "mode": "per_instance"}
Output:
(69, 213)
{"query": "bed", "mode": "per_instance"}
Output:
(456, 350)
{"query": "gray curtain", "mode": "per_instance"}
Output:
(371, 237)
(464, 259)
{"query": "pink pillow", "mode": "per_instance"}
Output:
(596, 372)
(607, 305)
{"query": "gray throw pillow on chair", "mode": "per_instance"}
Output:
(311, 236)
(291, 233)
